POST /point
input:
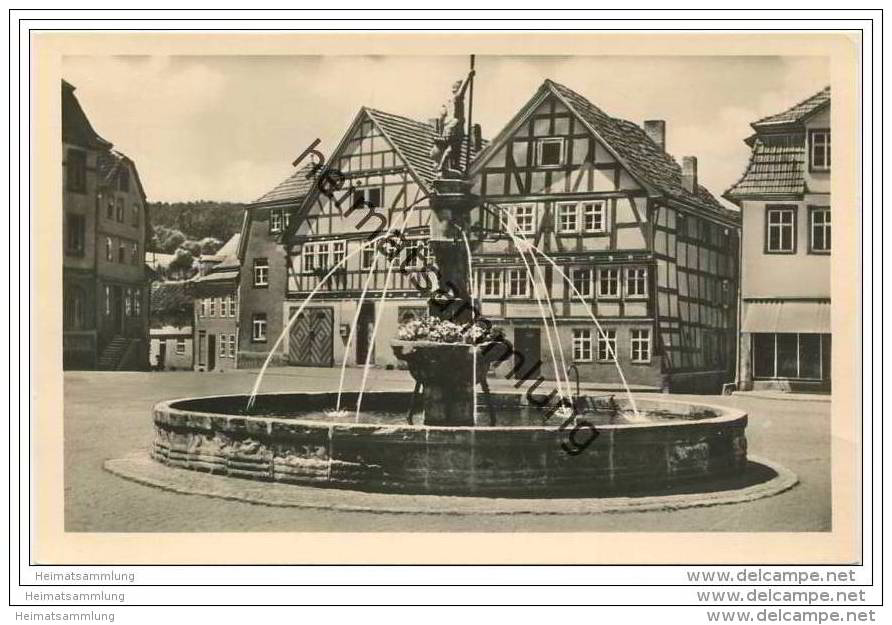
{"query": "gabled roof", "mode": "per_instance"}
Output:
(109, 164)
(796, 114)
(645, 160)
(776, 166)
(411, 139)
(292, 189)
(231, 246)
(76, 127)
(778, 161)
(226, 258)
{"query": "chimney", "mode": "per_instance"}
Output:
(656, 130)
(689, 173)
(476, 137)
(434, 123)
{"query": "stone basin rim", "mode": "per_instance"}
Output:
(725, 414)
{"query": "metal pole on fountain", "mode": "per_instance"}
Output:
(445, 371)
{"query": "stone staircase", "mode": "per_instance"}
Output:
(113, 354)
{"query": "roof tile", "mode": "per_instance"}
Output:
(797, 113)
(646, 160)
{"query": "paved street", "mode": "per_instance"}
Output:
(108, 415)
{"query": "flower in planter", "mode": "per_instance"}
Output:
(445, 331)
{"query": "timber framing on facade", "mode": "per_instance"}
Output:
(652, 252)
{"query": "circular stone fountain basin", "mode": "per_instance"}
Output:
(296, 438)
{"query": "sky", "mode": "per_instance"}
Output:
(227, 128)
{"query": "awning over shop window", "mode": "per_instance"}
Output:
(784, 317)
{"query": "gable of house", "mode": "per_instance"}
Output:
(597, 145)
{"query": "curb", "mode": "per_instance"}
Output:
(781, 396)
(139, 467)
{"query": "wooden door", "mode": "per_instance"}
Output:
(365, 325)
(212, 351)
(528, 347)
(310, 342)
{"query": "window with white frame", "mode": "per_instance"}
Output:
(582, 281)
(367, 258)
(137, 302)
(819, 149)
(212, 307)
(232, 345)
(128, 298)
(258, 327)
(202, 309)
(524, 221)
(338, 252)
(567, 218)
(640, 345)
(181, 346)
(415, 252)
(275, 221)
(107, 300)
(607, 345)
(608, 282)
(780, 232)
(636, 282)
(367, 197)
(582, 345)
(222, 346)
(316, 256)
(550, 152)
(819, 229)
(518, 283)
(492, 283)
(108, 249)
(261, 272)
(594, 217)
(221, 306)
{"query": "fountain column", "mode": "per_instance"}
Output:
(446, 371)
(451, 203)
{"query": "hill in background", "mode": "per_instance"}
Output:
(190, 229)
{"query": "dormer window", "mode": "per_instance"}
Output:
(550, 152)
(819, 149)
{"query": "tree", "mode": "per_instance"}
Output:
(183, 265)
(210, 245)
(172, 240)
(194, 247)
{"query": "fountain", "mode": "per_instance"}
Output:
(377, 441)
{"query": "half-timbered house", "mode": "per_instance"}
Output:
(650, 251)
(385, 168)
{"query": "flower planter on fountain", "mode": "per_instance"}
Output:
(445, 372)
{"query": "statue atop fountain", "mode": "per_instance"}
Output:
(447, 374)
(447, 148)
